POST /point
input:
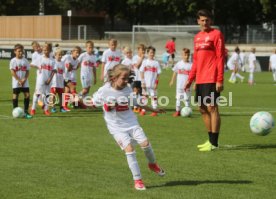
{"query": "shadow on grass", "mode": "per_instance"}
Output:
(199, 182)
(248, 146)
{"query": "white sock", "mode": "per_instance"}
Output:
(232, 77)
(154, 102)
(251, 77)
(177, 107)
(274, 75)
(133, 165)
(149, 154)
(187, 99)
(35, 100)
(239, 76)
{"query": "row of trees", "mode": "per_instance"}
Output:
(235, 12)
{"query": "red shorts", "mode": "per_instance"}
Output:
(55, 90)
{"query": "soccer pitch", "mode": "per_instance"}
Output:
(72, 155)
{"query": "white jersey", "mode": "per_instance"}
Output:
(20, 67)
(111, 59)
(46, 66)
(70, 75)
(182, 69)
(135, 60)
(35, 56)
(122, 117)
(58, 79)
(151, 69)
(243, 58)
(88, 62)
(128, 62)
(272, 60)
(234, 61)
(252, 59)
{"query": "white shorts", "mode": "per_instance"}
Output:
(42, 89)
(151, 92)
(133, 136)
(86, 81)
(251, 70)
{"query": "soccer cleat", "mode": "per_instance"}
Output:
(142, 113)
(139, 185)
(204, 144)
(155, 168)
(62, 110)
(53, 110)
(207, 148)
(136, 110)
(47, 113)
(32, 112)
(66, 109)
(176, 114)
(153, 114)
(28, 116)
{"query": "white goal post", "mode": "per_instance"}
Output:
(158, 35)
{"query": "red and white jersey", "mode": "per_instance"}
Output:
(135, 60)
(111, 59)
(35, 55)
(70, 75)
(46, 66)
(182, 69)
(20, 67)
(88, 62)
(272, 60)
(151, 69)
(58, 79)
(128, 62)
(252, 60)
(208, 57)
(121, 118)
(234, 61)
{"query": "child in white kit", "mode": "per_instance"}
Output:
(57, 86)
(110, 58)
(122, 123)
(181, 70)
(88, 64)
(252, 66)
(150, 71)
(46, 65)
(20, 68)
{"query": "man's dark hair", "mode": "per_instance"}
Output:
(204, 13)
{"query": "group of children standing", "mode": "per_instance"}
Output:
(56, 74)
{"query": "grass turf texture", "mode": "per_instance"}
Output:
(72, 155)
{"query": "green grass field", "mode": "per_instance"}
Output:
(71, 155)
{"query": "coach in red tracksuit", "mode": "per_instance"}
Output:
(207, 70)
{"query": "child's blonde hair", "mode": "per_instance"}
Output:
(116, 72)
(127, 49)
(49, 46)
(58, 50)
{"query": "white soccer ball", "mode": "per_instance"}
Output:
(18, 112)
(186, 112)
(261, 123)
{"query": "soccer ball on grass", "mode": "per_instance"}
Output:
(261, 123)
(18, 112)
(186, 112)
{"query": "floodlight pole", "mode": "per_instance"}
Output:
(41, 7)
(69, 14)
